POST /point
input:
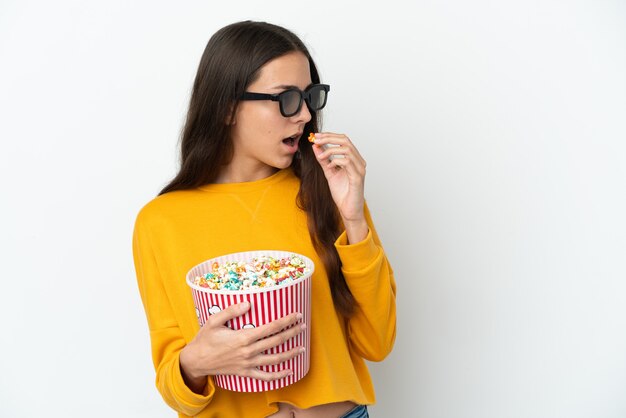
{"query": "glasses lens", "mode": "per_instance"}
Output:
(290, 102)
(317, 96)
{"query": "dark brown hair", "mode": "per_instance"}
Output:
(231, 61)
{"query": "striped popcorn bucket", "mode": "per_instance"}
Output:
(266, 305)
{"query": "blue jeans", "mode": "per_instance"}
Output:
(357, 412)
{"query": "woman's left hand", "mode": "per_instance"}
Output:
(345, 174)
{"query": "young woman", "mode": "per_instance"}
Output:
(250, 180)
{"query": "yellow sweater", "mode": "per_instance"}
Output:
(180, 229)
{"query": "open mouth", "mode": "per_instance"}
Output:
(291, 140)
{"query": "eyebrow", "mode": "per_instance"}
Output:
(290, 86)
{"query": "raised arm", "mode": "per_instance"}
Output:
(372, 328)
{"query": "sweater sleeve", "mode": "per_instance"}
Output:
(165, 335)
(372, 327)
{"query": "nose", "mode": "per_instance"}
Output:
(304, 115)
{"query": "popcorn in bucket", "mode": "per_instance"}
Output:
(276, 283)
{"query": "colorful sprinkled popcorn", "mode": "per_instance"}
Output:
(263, 271)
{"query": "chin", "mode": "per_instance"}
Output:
(282, 164)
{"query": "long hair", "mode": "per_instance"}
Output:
(231, 61)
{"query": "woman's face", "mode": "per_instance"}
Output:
(260, 133)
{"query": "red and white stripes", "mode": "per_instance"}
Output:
(266, 305)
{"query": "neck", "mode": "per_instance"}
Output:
(234, 173)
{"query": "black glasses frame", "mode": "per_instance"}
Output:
(304, 96)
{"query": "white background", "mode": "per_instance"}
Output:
(495, 139)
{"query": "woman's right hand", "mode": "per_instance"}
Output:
(217, 349)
